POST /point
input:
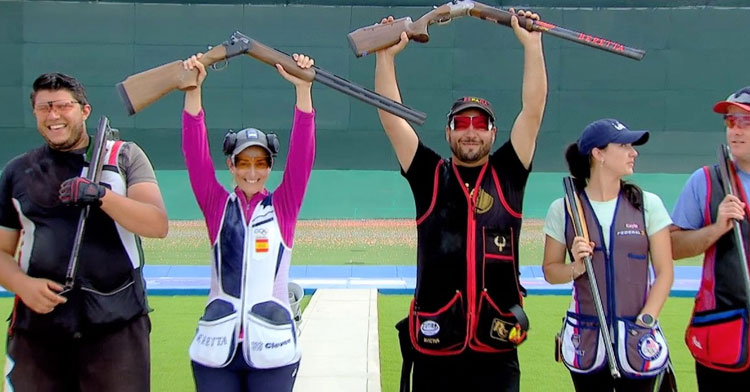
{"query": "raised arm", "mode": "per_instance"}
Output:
(525, 129)
(402, 136)
(209, 193)
(301, 156)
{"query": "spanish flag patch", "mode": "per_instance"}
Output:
(261, 245)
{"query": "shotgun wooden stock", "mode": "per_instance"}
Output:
(369, 39)
(140, 90)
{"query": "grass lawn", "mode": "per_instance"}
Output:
(174, 320)
(335, 242)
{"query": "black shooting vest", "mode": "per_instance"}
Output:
(717, 335)
(109, 287)
(467, 267)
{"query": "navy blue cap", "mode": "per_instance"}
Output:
(608, 130)
(740, 99)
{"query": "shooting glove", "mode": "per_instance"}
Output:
(80, 191)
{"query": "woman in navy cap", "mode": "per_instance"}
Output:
(247, 338)
(625, 225)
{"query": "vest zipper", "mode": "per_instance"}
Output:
(471, 246)
(245, 266)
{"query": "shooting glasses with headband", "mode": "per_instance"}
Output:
(235, 142)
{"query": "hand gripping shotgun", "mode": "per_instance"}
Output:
(369, 39)
(573, 206)
(142, 89)
(93, 174)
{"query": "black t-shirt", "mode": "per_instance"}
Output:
(510, 172)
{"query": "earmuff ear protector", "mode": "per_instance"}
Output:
(273, 143)
(230, 141)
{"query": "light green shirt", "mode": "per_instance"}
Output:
(656, 214)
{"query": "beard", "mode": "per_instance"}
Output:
(470, 155)
(77, 134)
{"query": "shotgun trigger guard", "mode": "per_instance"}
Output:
(219, 66)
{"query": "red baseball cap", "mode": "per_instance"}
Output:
(740, 99)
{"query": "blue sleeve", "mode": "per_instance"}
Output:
(690, 207)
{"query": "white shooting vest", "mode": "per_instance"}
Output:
(241, 305)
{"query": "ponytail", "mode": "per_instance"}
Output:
(578, 165)
(633, 194)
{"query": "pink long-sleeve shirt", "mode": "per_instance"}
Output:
(212, 196)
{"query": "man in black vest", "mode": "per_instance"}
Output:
(717, 336)
(466, 318)
(95, 335)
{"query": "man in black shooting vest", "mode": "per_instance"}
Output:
(93, 336)
(466, 320)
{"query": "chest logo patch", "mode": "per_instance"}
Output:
(631, 229)
(484, 202)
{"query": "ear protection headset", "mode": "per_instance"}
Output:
(257, 138)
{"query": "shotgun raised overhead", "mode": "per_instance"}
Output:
(141, 90)
(370, 39)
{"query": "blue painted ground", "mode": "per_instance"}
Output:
(388, 279)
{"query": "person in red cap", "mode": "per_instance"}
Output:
(466, 318)
(717, 335)
(628, 230)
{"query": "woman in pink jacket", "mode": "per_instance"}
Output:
(246, 339)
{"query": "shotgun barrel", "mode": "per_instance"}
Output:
(141, 90)
(727, 171)
(93, 174)
(576, 217)
(273, 56)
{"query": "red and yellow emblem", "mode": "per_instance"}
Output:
(261, 245)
